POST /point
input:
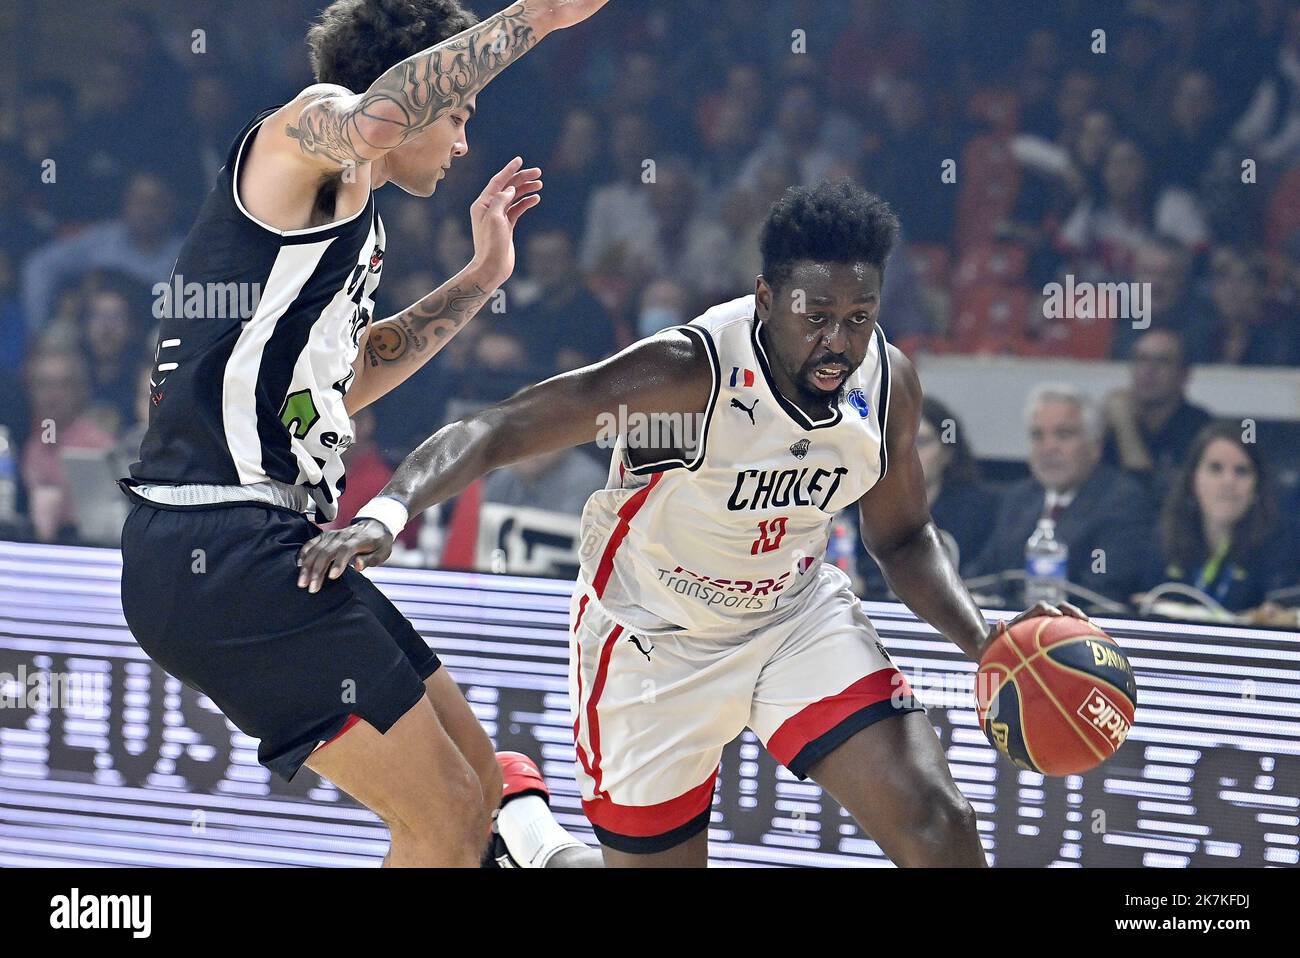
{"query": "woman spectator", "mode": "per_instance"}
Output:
(962, 507)
(1220, 529)
(1109, 229)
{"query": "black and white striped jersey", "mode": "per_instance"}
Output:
(259, 331)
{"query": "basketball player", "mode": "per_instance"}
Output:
(251, 414)
(703, 604)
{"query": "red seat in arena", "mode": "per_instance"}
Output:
(1076, 338)
(991, 319)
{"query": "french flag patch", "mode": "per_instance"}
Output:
(742, 377)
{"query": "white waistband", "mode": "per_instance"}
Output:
(270, 491)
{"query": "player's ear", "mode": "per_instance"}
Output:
(762, 297)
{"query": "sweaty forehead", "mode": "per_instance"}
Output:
(835, 283)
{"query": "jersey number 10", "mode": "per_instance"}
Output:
(770, 533)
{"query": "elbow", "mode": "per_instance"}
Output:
(889, 551)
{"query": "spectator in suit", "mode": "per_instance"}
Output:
(1102, 515)
(963, 508)
(1220, 528)
(1151, 425)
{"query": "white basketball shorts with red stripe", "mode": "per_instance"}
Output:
(652, 715)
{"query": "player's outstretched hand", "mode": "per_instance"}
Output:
(1037, 609)
(361, 544)
(494, 214)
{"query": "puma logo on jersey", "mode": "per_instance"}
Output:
(637, 642)
(748, 410)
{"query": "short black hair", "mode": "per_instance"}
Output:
(353, 42)
(832, 222)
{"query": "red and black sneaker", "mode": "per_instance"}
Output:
(520, 776)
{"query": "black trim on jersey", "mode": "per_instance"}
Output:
(649, 844)
(837, 735)
(663, 465)
(307, 231)
(882, 407)
(796, 414)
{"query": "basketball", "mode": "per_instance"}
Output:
(1055, 695)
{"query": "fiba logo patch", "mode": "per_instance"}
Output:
(858, 400)
(800, 448)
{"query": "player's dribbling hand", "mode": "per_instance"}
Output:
(361, 544)
(507, 196)
(1034, 611)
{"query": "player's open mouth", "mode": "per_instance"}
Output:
(829, 377)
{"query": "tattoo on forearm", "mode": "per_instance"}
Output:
(417, 92)
(441, 314)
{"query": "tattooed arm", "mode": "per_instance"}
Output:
(394, 348)
(337, 129)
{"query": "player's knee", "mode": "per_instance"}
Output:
(945, 822)
(451, 830)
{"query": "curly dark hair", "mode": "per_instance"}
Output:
(353, 42)
(1181, 533)
(832, 222)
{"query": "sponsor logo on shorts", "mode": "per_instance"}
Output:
(738, 594)
(1104, 716)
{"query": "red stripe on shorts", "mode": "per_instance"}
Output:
(582, 753)
(625, 517)
(817, 719)
(593, 719)
(643, 821)
(351, 721)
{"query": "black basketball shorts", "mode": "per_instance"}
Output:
(211, 594)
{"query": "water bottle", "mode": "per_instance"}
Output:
(1046, 565)
(841, 552)
(8, 479)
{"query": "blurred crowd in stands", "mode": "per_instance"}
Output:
(1020, 147)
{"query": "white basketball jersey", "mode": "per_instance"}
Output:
(722, 544)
